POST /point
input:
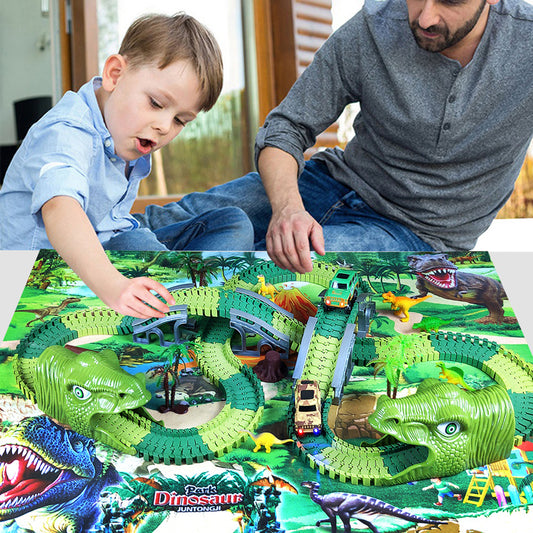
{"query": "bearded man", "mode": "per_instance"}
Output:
(445, 89)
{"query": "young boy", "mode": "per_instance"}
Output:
(72, 183)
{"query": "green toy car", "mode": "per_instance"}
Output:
(342, 289)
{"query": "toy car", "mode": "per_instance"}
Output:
(342, 289)
(307, 416)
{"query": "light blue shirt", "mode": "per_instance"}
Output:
(69, 152)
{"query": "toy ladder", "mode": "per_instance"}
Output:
(477, 489)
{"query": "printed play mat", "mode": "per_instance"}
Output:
(379, 392)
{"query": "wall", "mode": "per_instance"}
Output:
(25, 70)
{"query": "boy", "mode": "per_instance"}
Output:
(73, 181)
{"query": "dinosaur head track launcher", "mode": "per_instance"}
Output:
(445, 428)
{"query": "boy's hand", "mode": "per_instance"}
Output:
(77, 243)
(133, 297)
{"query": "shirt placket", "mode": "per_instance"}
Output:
(450, 116)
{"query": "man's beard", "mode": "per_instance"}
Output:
(446, 39)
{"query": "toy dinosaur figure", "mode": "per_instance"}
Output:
(436, 274)
(265, 439)
(51, 478)
(52, 310)
(453, 375)
(401, 304)
(347, 505)
(431, 323)
(266, 289)
(87, 391)
(449, 428)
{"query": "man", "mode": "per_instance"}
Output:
(446, 95)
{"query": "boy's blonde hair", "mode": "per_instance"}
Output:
(165, 39)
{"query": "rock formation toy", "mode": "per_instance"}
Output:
(271, 369)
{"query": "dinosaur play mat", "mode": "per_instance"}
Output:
(415, 378)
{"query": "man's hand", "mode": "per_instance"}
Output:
(133, 297)
(292, 230)
(289, 239)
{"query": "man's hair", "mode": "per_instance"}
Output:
(165, 39)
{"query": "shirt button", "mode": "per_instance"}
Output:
(113, 159)
(452, 98)
(107, 143)
(446, 126)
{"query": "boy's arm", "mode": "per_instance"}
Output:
(292, 229)
(70, 232)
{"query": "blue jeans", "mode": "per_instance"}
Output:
(171, 228)
(349, 224)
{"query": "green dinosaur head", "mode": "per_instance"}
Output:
(82, 390)
(447, 429)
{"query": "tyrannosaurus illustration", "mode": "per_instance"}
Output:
(401, 304)
(87, 391)
(51, 479)
(436, 274)
(265, 439)
(52, 310)
(346, 505)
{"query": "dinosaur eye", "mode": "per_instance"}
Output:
(80, 392)
(449, 429)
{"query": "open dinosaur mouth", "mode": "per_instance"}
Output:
(444, 278)
(406, 456)
(25, 475)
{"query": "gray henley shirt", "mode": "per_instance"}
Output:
(437, 147)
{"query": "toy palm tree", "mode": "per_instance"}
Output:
(393, 361)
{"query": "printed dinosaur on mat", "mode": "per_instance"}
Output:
(436, 274)
(52, 310)
(51, 478)
(346, 505)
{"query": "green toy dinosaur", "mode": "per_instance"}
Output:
(431, 323)
(449, 428)
(453, 375)
(87, 391)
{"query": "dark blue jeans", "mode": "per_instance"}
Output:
(349, 224)
(169, 228)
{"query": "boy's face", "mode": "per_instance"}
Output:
(145, 107)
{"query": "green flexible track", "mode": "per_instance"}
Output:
(380, 464)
